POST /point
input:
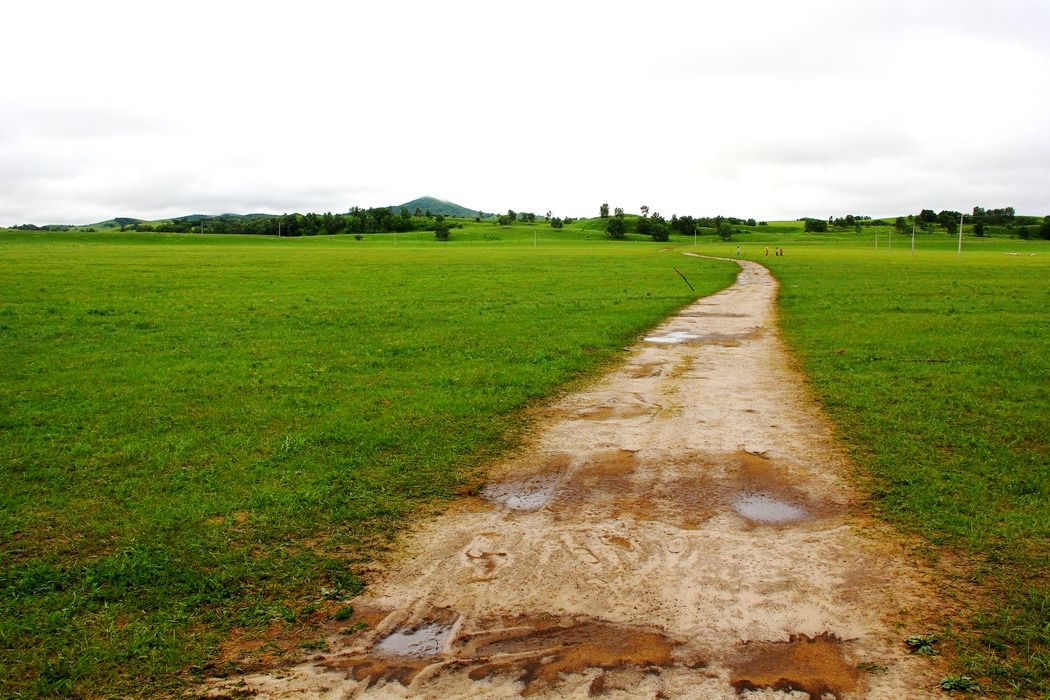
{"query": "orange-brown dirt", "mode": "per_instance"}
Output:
(683, 528)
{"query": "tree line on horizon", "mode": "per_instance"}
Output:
(659, 228)
(384, 220)
(949, 220)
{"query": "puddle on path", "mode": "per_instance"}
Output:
(813, 666)
(762, 508)
(672, 337)
(532, 488)
(728, 340)
(424, 642)
(539, 653)
(712, 314)
(535, 651)
(402, 654)
(684, 493)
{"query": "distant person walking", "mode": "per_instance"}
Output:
(738, 251)
(767, 251)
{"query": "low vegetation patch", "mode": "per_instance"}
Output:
(206, 438)
(936, 371)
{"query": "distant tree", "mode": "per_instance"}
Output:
(927, 216)
(603, 211)
(504, 220)
(419, 211)
(949, 220)
(480, 215)
(978, 229)
(618, 211)
(427, 213)
(645, 210)
(644, 226)
(616, 228)
(816, 226)
(901, 224)
(724, 229)
(548, 215)
(441, 229)
(750, 222)
(512, 215)
(556, 222)
(658, 228)
(685, 225)
(1044, 228)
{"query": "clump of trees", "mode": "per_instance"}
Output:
(654, 226)
(814, 225)
(441, 229)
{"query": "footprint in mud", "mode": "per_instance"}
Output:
(485, 562)
(586, 556)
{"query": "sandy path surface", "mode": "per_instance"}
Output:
(680, 529)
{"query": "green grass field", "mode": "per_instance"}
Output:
(200, 434)
(936, 371)
(203, 434)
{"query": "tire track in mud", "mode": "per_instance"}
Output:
(679, 529)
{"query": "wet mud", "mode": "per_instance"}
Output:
(683, 493)
(814, 666)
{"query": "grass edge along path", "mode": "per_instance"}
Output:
(936, 373)
(204, 440)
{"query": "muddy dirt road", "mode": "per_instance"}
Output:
(680, 529)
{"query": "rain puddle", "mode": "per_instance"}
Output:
(539, 653)
(815, 666)
(672, 337)
(762, 508)
(522, 495)
(729, 340)
(402, 654)
(425, 642)
(530, 491)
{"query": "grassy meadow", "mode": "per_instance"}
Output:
(937, 373)
(206, 438)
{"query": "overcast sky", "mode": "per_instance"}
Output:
(771, 109)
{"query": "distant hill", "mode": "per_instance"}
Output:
(439, 206)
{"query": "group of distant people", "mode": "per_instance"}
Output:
(779, 252)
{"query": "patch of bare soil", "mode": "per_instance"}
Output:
(681, 529)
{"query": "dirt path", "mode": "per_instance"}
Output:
(681, 529)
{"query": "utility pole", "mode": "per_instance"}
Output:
(959, 255)
(913, 238)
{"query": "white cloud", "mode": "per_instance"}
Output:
(755, 108)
